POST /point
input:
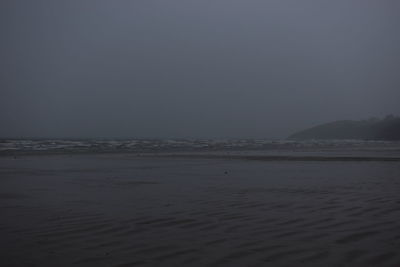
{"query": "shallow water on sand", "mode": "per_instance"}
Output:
(128, 210)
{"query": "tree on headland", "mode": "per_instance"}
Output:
(371, 129)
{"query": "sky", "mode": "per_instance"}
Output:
(194, 69)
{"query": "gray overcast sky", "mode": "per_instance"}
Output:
(226, 68)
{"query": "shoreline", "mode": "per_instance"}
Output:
(253, 155)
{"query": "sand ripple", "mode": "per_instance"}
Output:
(221, 221)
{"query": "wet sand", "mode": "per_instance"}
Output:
(125, 210)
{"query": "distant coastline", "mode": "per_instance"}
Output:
(387, 128)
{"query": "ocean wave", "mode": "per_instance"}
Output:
(166, 145)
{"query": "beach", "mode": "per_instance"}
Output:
(199, 133)
(154, 210)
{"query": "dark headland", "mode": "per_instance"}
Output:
(387, 128)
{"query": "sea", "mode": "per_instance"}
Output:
(315, 148)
